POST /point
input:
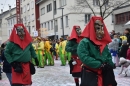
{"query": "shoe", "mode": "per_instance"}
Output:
(0, 77)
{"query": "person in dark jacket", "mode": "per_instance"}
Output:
(6, 67)
(124, 48)
(127, 34)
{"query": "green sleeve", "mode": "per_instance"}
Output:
(84, 55)
(33, 53)
(70, 47)
(8, 53)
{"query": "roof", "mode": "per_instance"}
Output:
(6, 12)
(122, 7)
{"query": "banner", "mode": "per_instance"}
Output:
(18, 11)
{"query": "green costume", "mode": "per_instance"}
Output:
(90, 55)
(48, 54)
(14, 53)
(40, 52)
(68, 56)
(62, 53)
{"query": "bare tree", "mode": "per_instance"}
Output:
(105, 7)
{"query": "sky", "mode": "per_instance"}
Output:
(4, 4)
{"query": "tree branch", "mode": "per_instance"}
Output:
(90, 7)
(100, 8)
(115, 8)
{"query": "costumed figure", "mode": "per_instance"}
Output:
(40, 52)
(62, 51)
(75, 63)
(34, 44)
(97, 69)
(18, 53)
(48, 53)
(68, 54)
(57, 49)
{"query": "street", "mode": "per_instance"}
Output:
(59, 76)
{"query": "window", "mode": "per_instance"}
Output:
(28, 7)
(49, 7)
(13, 21)
(45, 25)
(32, 4)
(67, 24)
(55, 8)
(122, 18)
(33, 17)
(24, 8)
(48, 25)
(21, 10)
(51, 24)
(43, 11)
(28, 18)
(56, 26)
(41, 26)
(106, 2)
(87, 18)
(62, 3)
(95, 2)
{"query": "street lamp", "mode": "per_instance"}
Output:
(62, 21)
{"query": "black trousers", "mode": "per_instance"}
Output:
(17, 85)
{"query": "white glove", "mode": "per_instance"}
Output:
(74, 62)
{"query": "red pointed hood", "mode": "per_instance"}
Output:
(89, 32)
(74, 34)
(15, 38)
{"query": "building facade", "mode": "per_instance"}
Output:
(121, 16)
(51, 17)
(11, 20)
(28, 15)
(6, 26)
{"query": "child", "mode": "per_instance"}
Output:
(113, 46)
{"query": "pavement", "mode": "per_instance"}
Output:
(59, 76)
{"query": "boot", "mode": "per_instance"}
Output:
(77, 84)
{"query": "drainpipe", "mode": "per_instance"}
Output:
(54, 21)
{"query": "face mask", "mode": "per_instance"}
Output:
(20, 32)
(78, 31)
(99, 29)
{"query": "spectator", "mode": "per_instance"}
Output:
(113, 46)
(127, 34)
(124, 48)
(6, 67)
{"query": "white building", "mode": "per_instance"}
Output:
(51, 17)
(28, 15)
(11, 21)
(121, 17)
(6, 26)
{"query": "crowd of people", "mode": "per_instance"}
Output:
(92, 54)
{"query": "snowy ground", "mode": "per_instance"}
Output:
(59, 76)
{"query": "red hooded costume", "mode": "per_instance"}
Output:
(77, 67)
(89, 32)
(17, 78)
(74, 34)
(15, 38)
